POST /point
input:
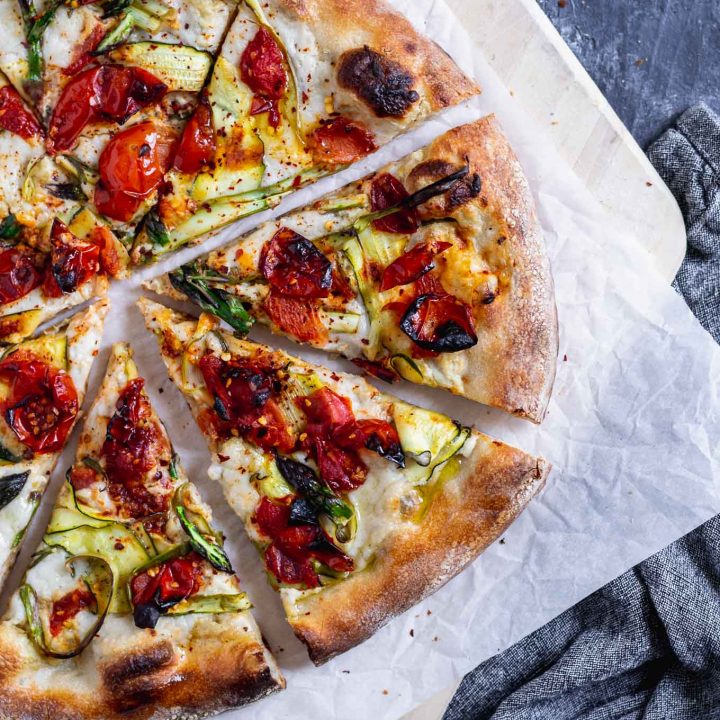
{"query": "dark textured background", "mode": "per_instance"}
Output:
(651, 58)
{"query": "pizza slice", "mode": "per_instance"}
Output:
(130, 607)
(299, 90)
(360, 504)
(113, 82)
(432, 269)
(42, 387)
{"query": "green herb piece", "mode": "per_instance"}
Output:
(206, 546)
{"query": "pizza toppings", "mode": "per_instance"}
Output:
(19, 274)
(412, 265)
(108, 92)
(262, 69)
(72, 262)
(294, 267)
(134, 446)
(298, 545)
(196, 148)
(341, 141)
(243, 392)
(42, 402)
(155, 590)
(132, 166)
(386, 192)
(15, 117)
(385, 85)
(439, 323)
(296, 317)
(67, 607)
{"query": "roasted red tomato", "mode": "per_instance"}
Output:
(381, 369)
(42, 404)
(134, 445)
(67, 607)
(376, 435)
(105, 92)
(196, 148)
(132, 166)
(341, 469)
(156, 590)
(243, 401)
(439, 323)
(386, 192)
(326, 411)
(72, 262)
(294, 546)
(18, 275)
(15, 117)
(109, 258)
(296, 317)
(341, 141)
(295, 267)
(412, 265)
(262, 68)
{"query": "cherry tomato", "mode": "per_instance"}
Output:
(18, 275)
(196, 148)
(296, 317)
(341, 141)
(439, 323)
(340, 469)
(412, 265)
(243, 402)
(15, 117)
(106, 92)
(42, 404)
(132, 166)
(109, 258)
(295, 267)
(289, 571)
(169, 583)
(387, 191)
(376, 435)
(72, 262)
(262, 66)
(326, 411)
(67, 607)
(134, 445)
(271, 516)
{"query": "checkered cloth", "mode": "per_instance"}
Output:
(647, 645)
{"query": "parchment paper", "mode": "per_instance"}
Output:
(632, 433)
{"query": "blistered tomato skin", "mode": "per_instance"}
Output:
(133, 447)
(341, 141)
(15, 117)
(42, 402)
(106, 92)
(439, 323)
(386, 192)
(18, 275)
(132, 166)
(262, 69)
(197, 145)
(72, 262)
(295, 267)
(412, 265)
(295, 317)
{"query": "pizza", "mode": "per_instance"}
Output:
(359, 503)
(130, 598)
(42, 387)
(432, 269)
(299, 90)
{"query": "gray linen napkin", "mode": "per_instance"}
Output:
(647, 645)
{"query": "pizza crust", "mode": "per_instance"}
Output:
(467, 513)
(471, 511)
(513, 364)
(148, 678)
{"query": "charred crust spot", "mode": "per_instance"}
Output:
(134, 678)
(385, 85)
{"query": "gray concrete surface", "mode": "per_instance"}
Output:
(651, 58)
